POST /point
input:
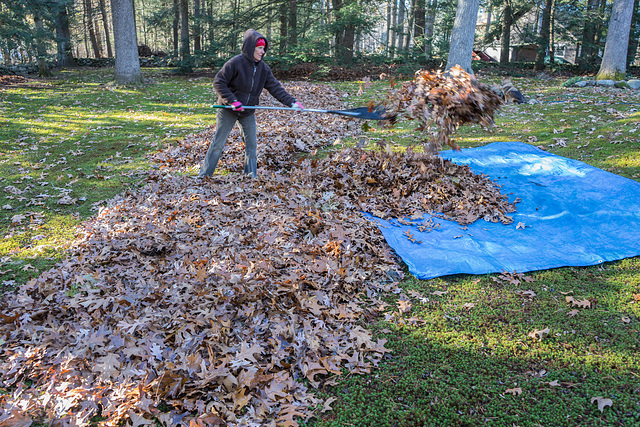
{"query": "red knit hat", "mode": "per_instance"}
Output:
(261, 42)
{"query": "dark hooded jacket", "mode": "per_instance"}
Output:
(242, 78)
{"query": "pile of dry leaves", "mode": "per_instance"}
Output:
(7, 80)
(441, 102)
(207, 302)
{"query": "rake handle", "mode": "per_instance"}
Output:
(310, 110)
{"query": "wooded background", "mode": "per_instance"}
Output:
(206, 32)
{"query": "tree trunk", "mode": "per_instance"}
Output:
(282, 11)
(84, 34)
(400, 25)
(419, 22)
(634, 35)
(176, 25)
(389, 32)
(348, 42)
(185, 48)
(394, 28)
(614, 60)
(505, 38)
(105, 23)
(407, 35)
(463, 34)
(127, 69)
(63, 36)
(429, 26)
(588, 50)
(599, 29)
(487, 28)
(5, 55)
(545, 29)
(345, 33)
(88, 10)
(292, 25)
(197, 37)
(43, 68)
(211, 27)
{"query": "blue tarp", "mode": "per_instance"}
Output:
(573, 215)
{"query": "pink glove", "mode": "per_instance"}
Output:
(237, 106)
(297, 106)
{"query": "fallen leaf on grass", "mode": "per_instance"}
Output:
(636, 297)
(626, 319)
(573, 313)
(513, 278)
(328, 402)
(602, 402)
(515, 391)
(469, 305)
(526, 294)
(554, 383)
(439, 293)
(585, 303)
(66, 200)
(404, 306)
(539, 333)
(17, 219)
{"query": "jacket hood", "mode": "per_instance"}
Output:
(251, 37)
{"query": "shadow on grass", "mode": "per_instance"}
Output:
(457, 365)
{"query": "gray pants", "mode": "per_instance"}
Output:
(225, 119)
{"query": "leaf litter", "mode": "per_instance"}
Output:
(228, 300)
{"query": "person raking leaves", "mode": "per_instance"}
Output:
(239, 83)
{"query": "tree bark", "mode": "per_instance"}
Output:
(176, 25)
(599, 29)
(634, 34)
(429, 26)
(127, 68)
(345, 33)
(185, 46)
(388, 32)
(348, 42)
(105, 23)
(614, 60)
(197, 37)
(545, 34)
(284, 38)
(210, 27)
(588, 50)
(463, 35)
(505, 38)
(487, 28)
(41, 52)
(63, 36)
(292, 24)
(394, 28)
(400, 25)
(407, 35)
(419, 22)
(88, 10)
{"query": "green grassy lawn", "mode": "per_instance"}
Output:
(498, 350)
